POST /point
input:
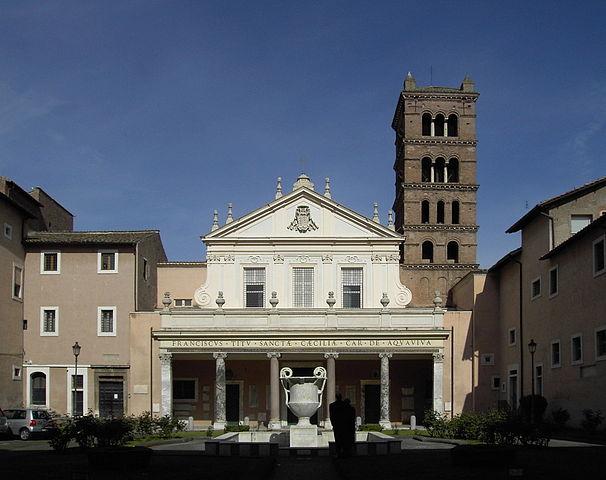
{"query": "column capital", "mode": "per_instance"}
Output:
(385, 355)
(274, 354)
(334, 355)
(165, 358)
(438, 357)
(217, 355)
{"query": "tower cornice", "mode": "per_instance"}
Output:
(442, 186)
(438, 141)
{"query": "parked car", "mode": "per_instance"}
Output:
(25, 422)
(3, 424)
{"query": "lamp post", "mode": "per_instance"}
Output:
(76, 349)
(532, 348)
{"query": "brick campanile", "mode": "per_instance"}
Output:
(436, 188)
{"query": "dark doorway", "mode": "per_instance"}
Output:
(301, 372)
(232, 403)
(111, 398)
(372, 405)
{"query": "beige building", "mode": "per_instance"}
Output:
(20, 212)
(558, 273)
(81, 287)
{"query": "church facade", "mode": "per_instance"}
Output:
(301, 282)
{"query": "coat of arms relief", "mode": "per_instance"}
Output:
(303, 221)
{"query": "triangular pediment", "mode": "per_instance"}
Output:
(303, 215)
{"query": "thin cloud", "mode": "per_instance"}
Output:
(17, 109)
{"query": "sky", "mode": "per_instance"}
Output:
(151, 114)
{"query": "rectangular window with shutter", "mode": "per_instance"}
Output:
(50, 262)
(351, 279)
(303, 287)
(107, 261)
(254, 287)
(17, 282)
(106, 321)
(49, 321)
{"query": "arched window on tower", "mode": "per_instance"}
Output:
(427, 251)
(426, 170)
(452, 252)
(438, 170)
(440, 212)
(424, 211)
(439, 125)
(453, 170)
(453, 125)
(455, 212)
(426, 124)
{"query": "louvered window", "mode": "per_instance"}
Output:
(352, 287)
(303, 287)
(50, 321)
(107, 321)
(51, 262)
(108, 261)
(254, 287)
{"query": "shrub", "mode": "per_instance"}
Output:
(437, 424)
(466, 426)
(114, 432)
(370, 427)
(85, 430)
(526, 405)
(593, 419)
(144, 425)
(560, 416)
(62, 434)
(167, 425)
(237, 428)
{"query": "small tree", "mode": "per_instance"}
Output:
(593, 419)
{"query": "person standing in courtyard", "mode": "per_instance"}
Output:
(349, 427)
(336, 412)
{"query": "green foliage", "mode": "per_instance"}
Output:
(144, 425)
(437, 424)
(500, 427)
(593, 419)
(62, 434)
(539, 406)
(237, 428)
(560, 416)
(167, 425)
(90, 431)
(370, 427)
(114, 432)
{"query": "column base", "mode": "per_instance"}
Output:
(386, 424)
(327, 424)
(219, 425)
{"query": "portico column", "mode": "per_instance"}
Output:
(219, 390)
(166, 376)
(384, 420)
(274, 391)
(331, 385)
(438, 376)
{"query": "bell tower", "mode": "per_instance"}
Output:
(436, 187)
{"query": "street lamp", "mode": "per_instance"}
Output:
(532, 348)
(76, 349)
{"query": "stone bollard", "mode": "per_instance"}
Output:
(413, 422)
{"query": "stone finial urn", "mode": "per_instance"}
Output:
(303, 394)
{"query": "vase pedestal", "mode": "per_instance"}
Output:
(304, 436)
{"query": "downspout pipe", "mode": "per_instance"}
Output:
(521, 327)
